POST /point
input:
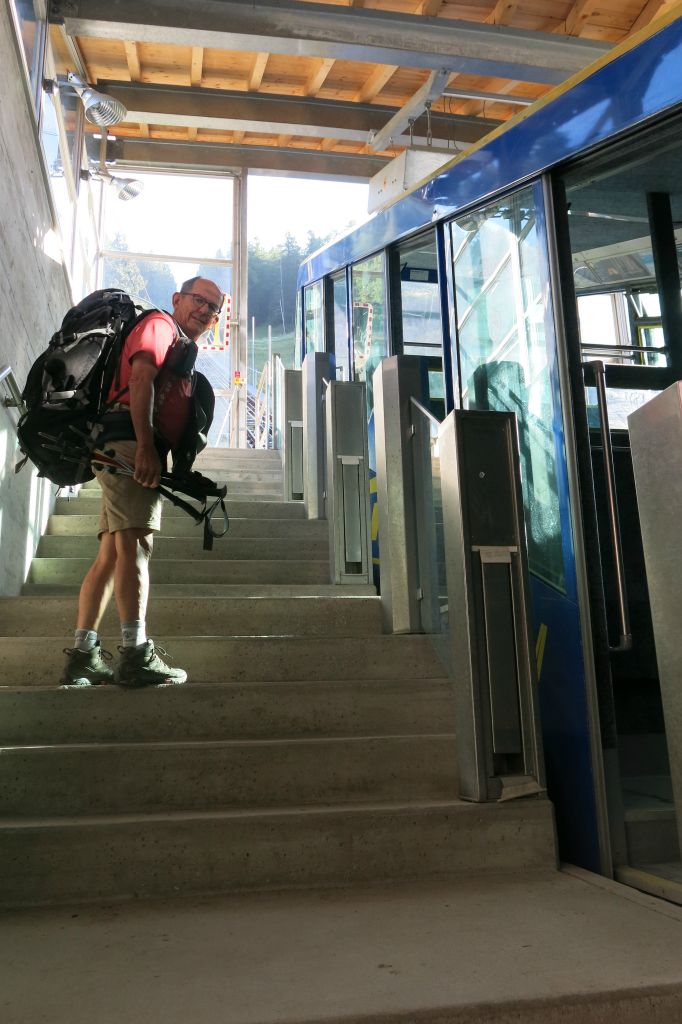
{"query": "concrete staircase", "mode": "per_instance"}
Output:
(308, 749)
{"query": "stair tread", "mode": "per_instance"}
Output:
(278, 741)
(304, 810)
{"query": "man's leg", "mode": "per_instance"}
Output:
(140, 665)
(98, 585)
(86, 662)
(131, 579)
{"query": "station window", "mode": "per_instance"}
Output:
(503, 353)
(368, 324)
(30, 18)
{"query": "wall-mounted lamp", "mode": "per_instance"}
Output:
(126, 188)
(99, 108)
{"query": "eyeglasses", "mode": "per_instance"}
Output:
(200, 301)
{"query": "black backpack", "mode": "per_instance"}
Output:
(68, 385)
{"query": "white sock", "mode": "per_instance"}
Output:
(85, 639)
(134, 633)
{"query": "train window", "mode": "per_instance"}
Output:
(368, 324)
(500, 289)
(341, 339)
(420, 298)
(314, 317)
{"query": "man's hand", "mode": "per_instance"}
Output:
(147, 466)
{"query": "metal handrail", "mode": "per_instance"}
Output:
(425, 411)
(599, 370)
(14, 401)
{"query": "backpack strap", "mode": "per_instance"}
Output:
(194, 486)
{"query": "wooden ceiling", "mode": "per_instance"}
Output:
(307, 85)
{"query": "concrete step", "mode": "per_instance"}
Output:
(109, 714)
(191, 547)
(57, 861)
(140, 778)
(265, 490)
(72, 570)
(205, 616)
(38, 661)
(230, 474)
(293, 530)
(652, 835)
(250, 456)
(234, 456)
(239, 508)
(261, 590)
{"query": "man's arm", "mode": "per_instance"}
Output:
(147, 461)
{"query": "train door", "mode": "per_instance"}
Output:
(619, 225)
(507, 360)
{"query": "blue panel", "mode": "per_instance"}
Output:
(565, 726)
(639, 85)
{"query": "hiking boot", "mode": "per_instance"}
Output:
(86, 668)
(142, 666)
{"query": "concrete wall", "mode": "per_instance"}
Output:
(35, 295)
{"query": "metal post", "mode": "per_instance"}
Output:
(498, 732)
(350, 543)
(318, 370)
(396, 381)
(292, 440)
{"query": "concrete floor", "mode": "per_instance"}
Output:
(563, 946)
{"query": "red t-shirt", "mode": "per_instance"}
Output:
(155, 335)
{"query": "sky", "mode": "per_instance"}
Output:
(193, 216)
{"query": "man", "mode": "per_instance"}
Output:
(159, 401)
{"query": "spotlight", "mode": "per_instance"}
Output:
(127, 188)
(100, 109)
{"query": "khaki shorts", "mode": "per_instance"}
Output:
(127, 505)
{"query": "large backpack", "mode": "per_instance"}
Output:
(68, 385)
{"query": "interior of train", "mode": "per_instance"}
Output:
(625, 229)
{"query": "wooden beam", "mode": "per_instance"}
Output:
(318, 77)
(649, 12)
(257, 71)
(284, 140)
(579, 15)
(503, 12)
(429, 8)
(375, 83)
(144, 131)
(238, 137)
(133, 61)
(327, 145)
(197, 69)
(192, 134)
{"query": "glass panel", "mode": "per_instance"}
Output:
(314, 318)
(341, 340)
(200, 225)
(504, 357)
(620, 403)
(429, 523)
(369, 320)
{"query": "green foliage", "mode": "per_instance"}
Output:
(272, 281)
